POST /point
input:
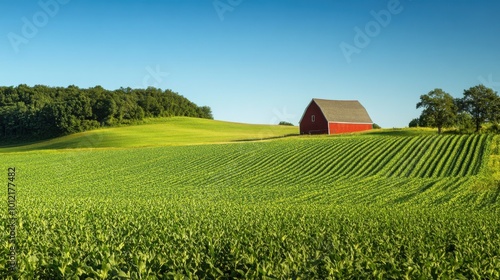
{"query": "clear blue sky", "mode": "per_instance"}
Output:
(257, 61)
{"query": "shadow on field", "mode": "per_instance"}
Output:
(267, 138)
(401, 132)
(20, 142)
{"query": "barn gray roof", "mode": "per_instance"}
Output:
(350, 111)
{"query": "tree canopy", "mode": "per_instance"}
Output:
(42, 112)
(478, 105)
(482, 103)
(439, 109)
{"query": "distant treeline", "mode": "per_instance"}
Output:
(42, 112)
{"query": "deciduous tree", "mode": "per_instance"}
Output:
(439, 109)
(482, 103)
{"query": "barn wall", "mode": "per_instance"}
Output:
(336, 128)
(320, 126)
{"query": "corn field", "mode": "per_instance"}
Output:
(369, 207)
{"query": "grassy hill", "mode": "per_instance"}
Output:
(387, 204)
(174, 131)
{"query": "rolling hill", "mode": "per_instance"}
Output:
(175, 131)
(388, 204)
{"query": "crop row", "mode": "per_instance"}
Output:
(325, 161)
(161, 238)
(382, 168)
(347, 207)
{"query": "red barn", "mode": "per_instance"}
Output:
(334, 116)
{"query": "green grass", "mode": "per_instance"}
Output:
(494, 160)
(174, 131)
(352, 206)
(182, 131)
(403, 131)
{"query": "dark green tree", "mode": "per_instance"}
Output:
(206, 112)
(482, 104)
(414, 122)
(439, 109)
(104, 109)
(42, 112)
(464, 123)
(285, 123)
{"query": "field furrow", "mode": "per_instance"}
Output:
(310, 208)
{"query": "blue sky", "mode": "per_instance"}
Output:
(258, 61)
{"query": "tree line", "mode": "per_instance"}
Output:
(41, 111)
(478, 106)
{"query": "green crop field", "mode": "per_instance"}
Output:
(373, 205)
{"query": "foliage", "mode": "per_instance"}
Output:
(42, 112)
(386, 207)
(422, 121)
(286, 123)
(376, 126)
(494, 128)
(494, 161)
(414, 123)
(478, 106)
(439, 109)
(464, 123)
(482, 103)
